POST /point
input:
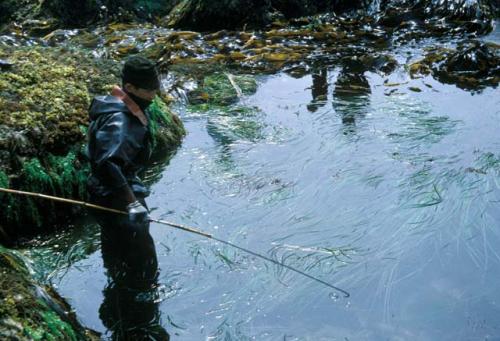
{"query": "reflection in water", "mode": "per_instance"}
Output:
(351, 97)
(319, 89)
(231, 125)
(130, 307)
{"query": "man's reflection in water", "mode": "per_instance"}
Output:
(130, 307)
(319, 89)
(351, 96)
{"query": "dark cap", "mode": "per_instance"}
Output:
(141, 72)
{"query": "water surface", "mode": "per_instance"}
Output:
(391, 194)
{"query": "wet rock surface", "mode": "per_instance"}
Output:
(472, 66)
(203, 15)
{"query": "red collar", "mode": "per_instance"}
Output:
(131, 105)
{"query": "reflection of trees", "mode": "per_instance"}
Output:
(351, 96)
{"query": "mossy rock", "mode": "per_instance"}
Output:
(223, 89)
(44, 99)
(47, 92)
(29, 311)
(66, 176)
(167, 130)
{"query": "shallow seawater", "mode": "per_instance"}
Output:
(388, 193)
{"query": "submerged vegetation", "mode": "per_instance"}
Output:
(222, 89)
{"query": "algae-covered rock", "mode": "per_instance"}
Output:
(223, 89)
(472, 66)
(29, 311)
(166, 128)
(46, 94)
(44, 100)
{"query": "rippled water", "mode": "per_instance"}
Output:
(388, 193)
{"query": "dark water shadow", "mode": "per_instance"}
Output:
(351, 96)
(130, 309)
(319, 89)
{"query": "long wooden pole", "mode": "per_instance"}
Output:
(102, 208)
(177, 226)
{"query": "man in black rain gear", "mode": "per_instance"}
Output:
(119, 148)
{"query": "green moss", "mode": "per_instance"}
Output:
(69, 174)
(57, 175)
(35, 179)
(48, 92)
(4, 182)
(166, 129)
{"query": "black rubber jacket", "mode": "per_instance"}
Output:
(118, 148)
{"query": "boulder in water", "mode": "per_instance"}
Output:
(206, 15)
(81, 13)
(472, 66)
(300, 8)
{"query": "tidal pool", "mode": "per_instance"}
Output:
(385, 186)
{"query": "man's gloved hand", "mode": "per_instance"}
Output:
(137, 214)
